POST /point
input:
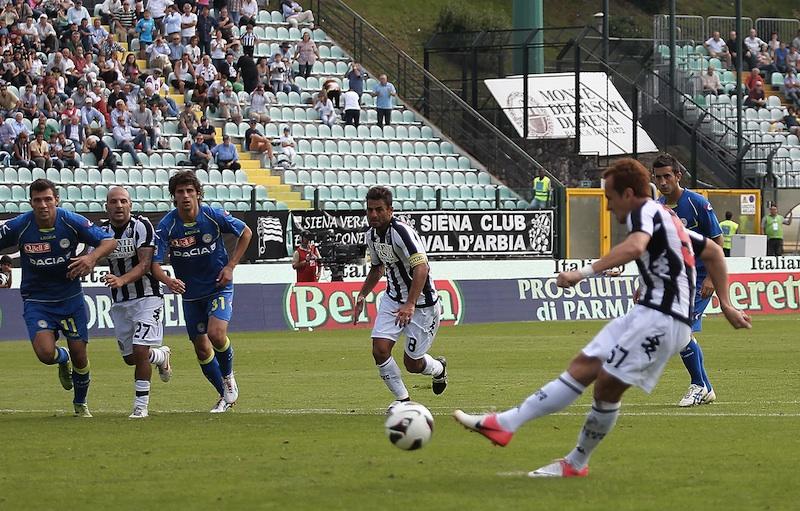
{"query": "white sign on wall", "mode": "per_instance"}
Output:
(606, 120)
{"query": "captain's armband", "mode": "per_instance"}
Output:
(417, 259)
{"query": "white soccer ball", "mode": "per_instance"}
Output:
(409, 425)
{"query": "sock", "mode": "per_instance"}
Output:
(142, 388)
(552, 397)
(212, 373)
(157, 357)
(703, 368)
(390, 374)
(599, 422)
(80, 383)
(432, 366)
(692, 357)
(61, 356)
(225, 358)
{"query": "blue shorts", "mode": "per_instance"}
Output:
(67, 317)
(700, 305)
(197, 312)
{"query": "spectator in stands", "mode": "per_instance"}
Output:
(226, 155)
(183, 74)
(200, 93)
(28, 102)
(8, 100)
(288, 145)
(172, 22)
(127, 138)
(120, 110)
(773, 43)
(5, 269)
(48, 130)
(208, 131)
(779, 57)
(158, 54)
(711, 83)
(73, 129)
(199, 153)
(40, 151)
(146, 29)
(249, 12)
(142, 119)
(324, 106)
(229, 107)
(7, 137)
(294, 14)
(225, 24)
(218, 50)
(21, 152)
(756, 98)
(234, 11)
(384, 91)
(259, 101)
(790, 121)
(791, 87)
(107, 10)
(352, 108)
(188, 24)
(47, 34)
(125, 24)
(717, 48)
(334, 91)
(262, 66)
(158, 9)
(277, 75)
(765, 63)
(255, 141)
(796, 41)
(206, 26)
(228, 68)
(792, 58)
(66, 151)
(176, 49)
(306, 54)
(248, 73)
(215, 91)
(77, 12)
(754, 45)
(733, 48)
(356, 76)
(93, 122)
(755, 76)
(19, 125)
(249, 41)
(187, 121)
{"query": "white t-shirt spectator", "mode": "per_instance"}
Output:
(189, 18)
(754, 44)
(716, 46)
(350, 99)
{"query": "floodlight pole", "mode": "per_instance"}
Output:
(739, 93)
(673, 54)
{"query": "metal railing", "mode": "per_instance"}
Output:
(424, 93)
(724, 25)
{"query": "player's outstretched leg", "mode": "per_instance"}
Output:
(81, 377)
(436, 368)
(699, 388)
(44, 346)
(160, 357)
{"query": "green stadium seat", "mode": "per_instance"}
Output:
(223, 192)
(236, 193)
(120, 176)
(53, 175)
(134, 176)
(38, 173)
(5, 193)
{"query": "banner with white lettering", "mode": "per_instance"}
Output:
(605, 118)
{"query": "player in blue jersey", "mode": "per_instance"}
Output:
(48, 238)
(697, 215)
(191, 235)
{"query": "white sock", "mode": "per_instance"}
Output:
(432, 366)
(390, 374)
(142, 388)
(552, 397)
(599, 422)
(157, 356)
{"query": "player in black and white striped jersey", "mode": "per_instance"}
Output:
(138, 306)
(410, 304)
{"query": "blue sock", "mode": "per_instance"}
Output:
(80, 382)
(225, 358)
(212, 373)
(62, 356)
(703, 368)
(692, 358)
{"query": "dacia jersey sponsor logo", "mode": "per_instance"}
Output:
(48, 261)
(187, 241)
(194, 252)
(36, 248)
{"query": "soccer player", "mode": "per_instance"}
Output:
(5, 272)
(48, 238)
(697, 215)
(410, 304)
(632, 349)
(138, 305)
(192, 235)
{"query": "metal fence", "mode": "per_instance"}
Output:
(724, 25)
(689, 29)
(785, 28)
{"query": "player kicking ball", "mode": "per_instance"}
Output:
(191, 235)
(632, 349)
(52, 297)
(410, 304)
(138, 304)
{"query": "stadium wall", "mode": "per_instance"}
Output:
(267, 298)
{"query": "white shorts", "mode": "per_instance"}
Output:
(138, 321)
(637, 346)
(419, 332)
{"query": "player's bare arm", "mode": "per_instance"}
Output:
(418, 278)
(145, 255)
(707, 289)
(629, 250)
(714, 259)
(83, 265)
(226, 274)
(373, 277)
(175, 285)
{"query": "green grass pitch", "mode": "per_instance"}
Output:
(307, 432)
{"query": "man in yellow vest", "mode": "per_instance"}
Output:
(541, 191)
(772, 226)
(729, 228)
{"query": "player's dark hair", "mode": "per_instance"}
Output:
(380, 193)
(629, 173)
(185, 177)
(666, 160)
(42, 185)
(5, 260)
(728, 215)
